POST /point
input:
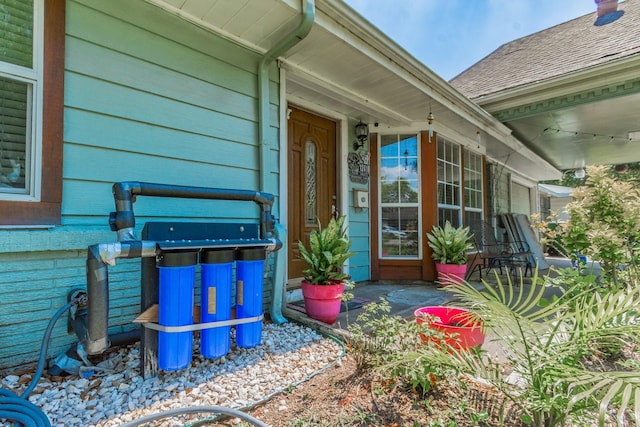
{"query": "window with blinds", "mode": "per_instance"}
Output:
(18, 80)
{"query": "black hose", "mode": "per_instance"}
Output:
(19, 409)
(196, 409)
(45, 345)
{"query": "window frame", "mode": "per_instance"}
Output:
(446, 165)
(45, 208)
(400, 136)
(469, 171)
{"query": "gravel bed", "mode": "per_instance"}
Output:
(288, 354)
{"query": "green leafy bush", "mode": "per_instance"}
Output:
(389, 344)
(603, 224)
(545, 374)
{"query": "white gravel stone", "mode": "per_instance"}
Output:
(288, 354)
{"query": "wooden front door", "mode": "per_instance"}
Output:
(312, 193)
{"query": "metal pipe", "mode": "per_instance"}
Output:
(290, 40)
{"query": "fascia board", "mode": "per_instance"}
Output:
(575, 82)
(345, 23)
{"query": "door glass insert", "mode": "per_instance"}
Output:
(399, 188)
(311, 183)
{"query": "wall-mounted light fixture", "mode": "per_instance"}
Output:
(579, 173)
(362, 133)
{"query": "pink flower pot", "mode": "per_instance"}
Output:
(450, 273)
(462, 329)
(322, 302)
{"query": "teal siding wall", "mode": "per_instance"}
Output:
(148, 97)
(359, 264)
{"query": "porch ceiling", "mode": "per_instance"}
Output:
(347, 66)
(573, 127)
(350, 67)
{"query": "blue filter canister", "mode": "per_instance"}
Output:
(249, 282)
(175, 308)
(215, 300)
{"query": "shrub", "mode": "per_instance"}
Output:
(604, 224)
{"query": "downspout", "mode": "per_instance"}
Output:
(279, 279)
(290, 40)
(293, 38)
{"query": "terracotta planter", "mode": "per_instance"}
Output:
(462, 329)
(450, 273)
(322, 302)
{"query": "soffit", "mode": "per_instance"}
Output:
(348, 66)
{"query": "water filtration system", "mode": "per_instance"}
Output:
(170, 254)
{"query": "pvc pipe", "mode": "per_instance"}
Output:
(123, 220)
(279, 279)
(93, 336)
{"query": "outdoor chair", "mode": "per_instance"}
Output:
(493, 254)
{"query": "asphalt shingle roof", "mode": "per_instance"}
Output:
(556, 51)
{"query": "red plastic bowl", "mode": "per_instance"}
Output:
(463, 330)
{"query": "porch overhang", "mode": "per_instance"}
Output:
(349, 67)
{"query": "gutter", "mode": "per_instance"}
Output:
(290, 40)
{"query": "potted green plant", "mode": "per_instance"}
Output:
(449, 246)
(324, 279)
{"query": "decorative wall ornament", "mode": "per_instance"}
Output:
(359, 166)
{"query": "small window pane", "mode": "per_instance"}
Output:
(14, 132)
(400, 232)
(16, 32)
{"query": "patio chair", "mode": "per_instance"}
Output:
(492, 254)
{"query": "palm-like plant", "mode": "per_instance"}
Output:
(545, 346)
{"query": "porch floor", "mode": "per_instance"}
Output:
(404, 297)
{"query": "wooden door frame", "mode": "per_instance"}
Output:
(341, 150)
